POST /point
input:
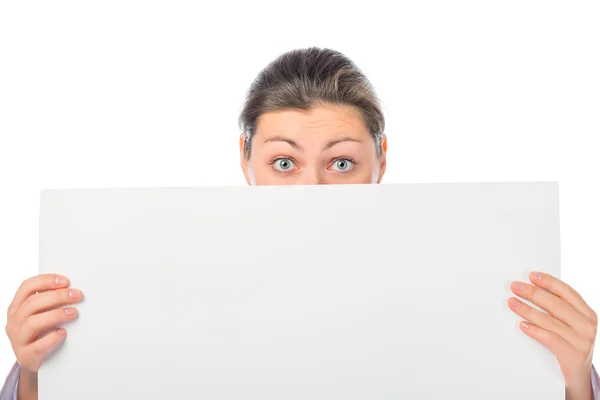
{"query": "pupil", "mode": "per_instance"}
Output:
(284, 164)
(342, 165)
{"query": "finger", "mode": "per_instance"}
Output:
(36, 284)
(45, 301)
(36, 324)
(33, 354)
(557, 345)
(550, 324)
(555, 306)
(565, 292)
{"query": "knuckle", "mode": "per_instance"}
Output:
(60, 315)
(58, 296)
(12, 309)
(525, 310)
(555, 323)
(589, 347)
(594, 318)
(28, 324)
(27, 283)
(49, 279)
(582, 348)
(24, 284)
(530, 291)
(26, 306)
(532, 329)
(10, 331)
(538, 335)
(546, 281)
(593, 331)
(64, 295)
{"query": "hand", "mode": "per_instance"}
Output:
(33, 320)
(569, 331)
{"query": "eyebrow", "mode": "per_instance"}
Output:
(285, 140)
(341, 140)
(296, 146)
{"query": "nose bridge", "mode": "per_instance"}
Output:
(311, 176)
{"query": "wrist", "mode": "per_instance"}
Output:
(28, 385)
(581, 390)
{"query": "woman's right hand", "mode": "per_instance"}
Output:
(34, 317)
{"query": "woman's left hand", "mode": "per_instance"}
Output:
(569, 331)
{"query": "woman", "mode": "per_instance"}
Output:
(311, 117)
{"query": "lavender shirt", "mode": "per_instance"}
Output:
(9, 390)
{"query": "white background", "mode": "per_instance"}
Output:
(123, 93)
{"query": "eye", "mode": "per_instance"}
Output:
(342, 165)
(283, 164)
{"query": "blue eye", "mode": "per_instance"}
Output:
(283, 164)
(342, 165)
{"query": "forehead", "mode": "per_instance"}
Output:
(322, 122)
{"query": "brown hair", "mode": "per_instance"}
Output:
(304, 78)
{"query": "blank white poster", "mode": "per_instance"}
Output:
(300, 292)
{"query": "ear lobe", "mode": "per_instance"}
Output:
(383, 158)
(242, 143)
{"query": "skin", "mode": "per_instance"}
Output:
(40, 304)
(568, 330)
(316, 145)
(326, 145)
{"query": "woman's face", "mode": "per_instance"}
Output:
(324, 145)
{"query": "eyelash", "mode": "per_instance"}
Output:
(275, 159)
(353, 161)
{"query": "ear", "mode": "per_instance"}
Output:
(383, 158)
(243, 159)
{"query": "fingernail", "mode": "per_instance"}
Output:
(74, 294)
(61, 331)
(518, 286)
(525, 325)
(514, 302)
(69, 311)
(60, 280)
(536, 276)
